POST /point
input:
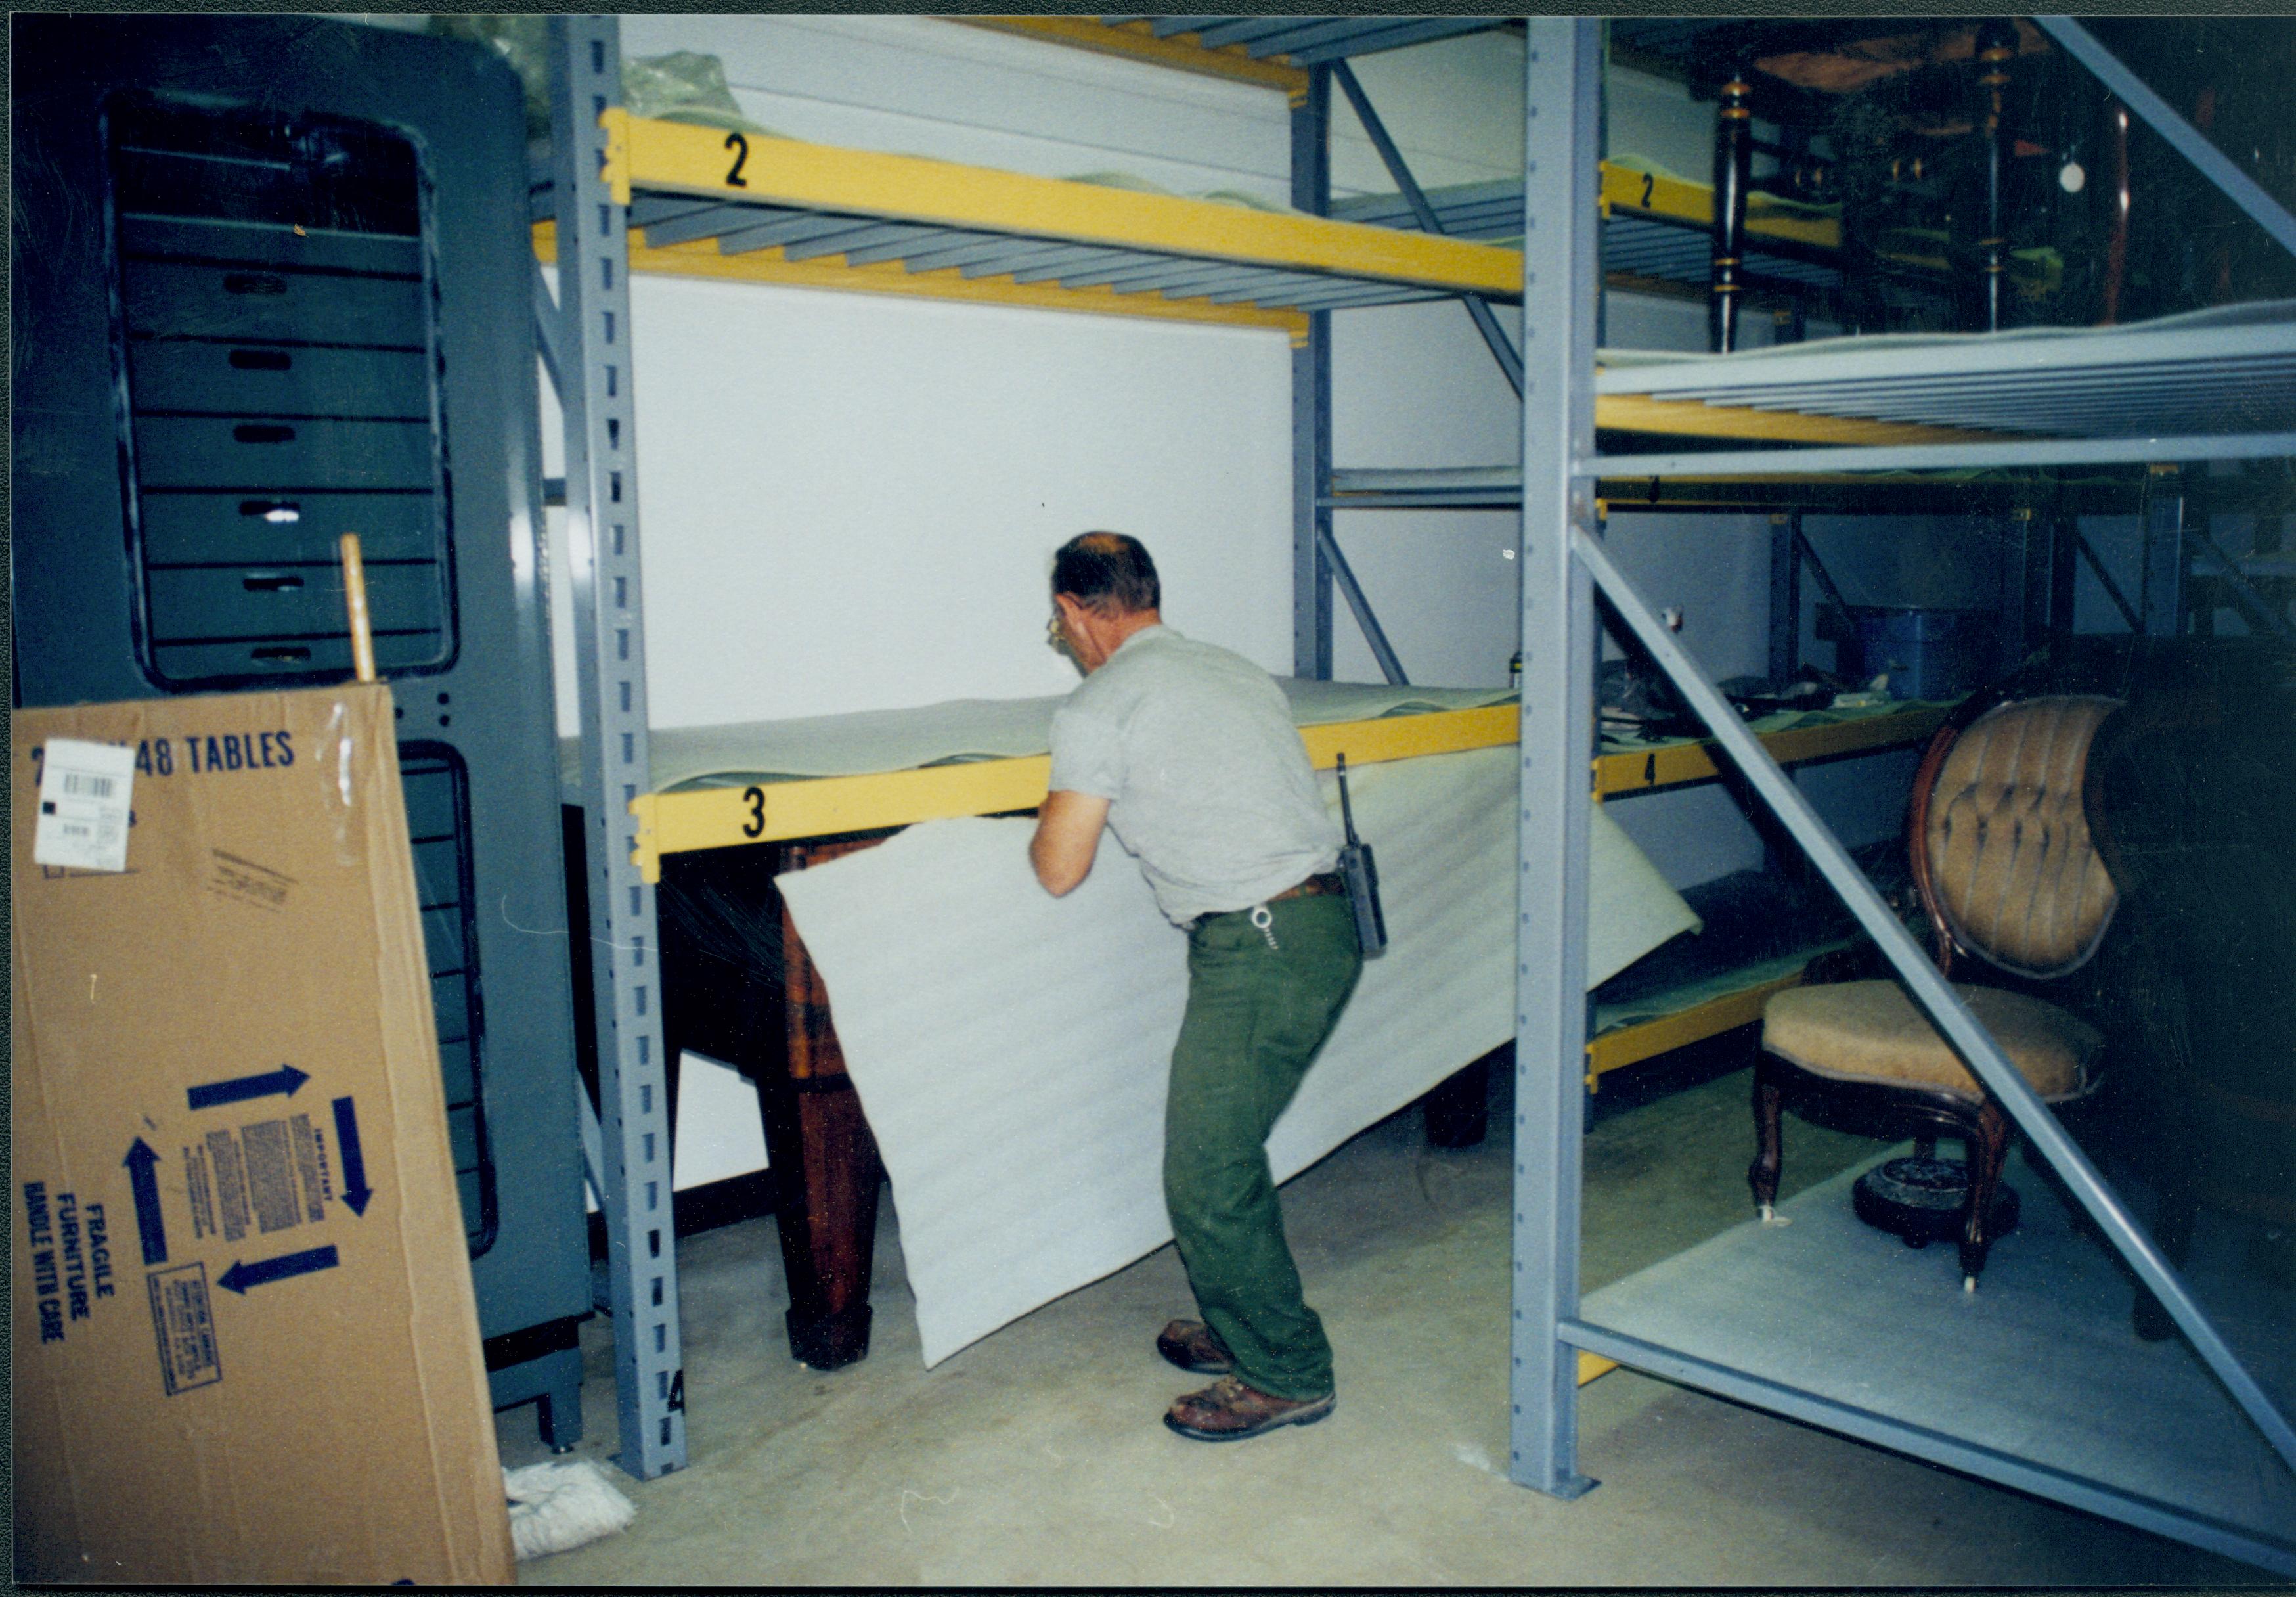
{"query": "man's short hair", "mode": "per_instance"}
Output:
(1108, 571)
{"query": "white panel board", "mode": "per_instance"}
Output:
(1011, 1048)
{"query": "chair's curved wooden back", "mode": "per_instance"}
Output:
(2001, 850)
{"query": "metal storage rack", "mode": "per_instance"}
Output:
(773, 210)
(1563, 563)
(731, 206)
(890, 215)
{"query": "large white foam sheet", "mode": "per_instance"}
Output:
(1011, 1048)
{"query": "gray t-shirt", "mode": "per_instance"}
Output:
(1207, 782)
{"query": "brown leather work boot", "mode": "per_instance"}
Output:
(1228, 1410)
(1195, 1347)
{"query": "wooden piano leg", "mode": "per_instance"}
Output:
(824, 1159)
(826, 1174)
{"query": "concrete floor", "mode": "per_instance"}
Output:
(1036, 1457)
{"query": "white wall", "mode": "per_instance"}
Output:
(849, 501)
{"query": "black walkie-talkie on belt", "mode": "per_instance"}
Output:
(1361, 876)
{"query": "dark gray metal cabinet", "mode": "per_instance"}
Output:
(272, 284)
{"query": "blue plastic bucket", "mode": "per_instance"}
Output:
(1926, 653)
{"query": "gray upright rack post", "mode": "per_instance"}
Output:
(1562, 80)
(1311, 403)
(592, 368)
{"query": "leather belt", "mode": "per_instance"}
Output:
(1329, 884)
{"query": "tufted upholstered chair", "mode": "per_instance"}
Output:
(2006, 871)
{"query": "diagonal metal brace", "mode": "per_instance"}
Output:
(1502, 348)
(549, 329)
(1936, 997)
(2111, 588)
(1352, 591)
(2193, 145)
(2251, 603)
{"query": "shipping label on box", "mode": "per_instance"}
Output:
(246, 1347)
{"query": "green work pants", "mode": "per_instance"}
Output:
(1256, 1016)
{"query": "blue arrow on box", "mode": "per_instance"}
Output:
(355, 1191)
(151, 1225)
(242, 1275)
(282, 1081)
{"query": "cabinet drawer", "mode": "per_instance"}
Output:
(165, 299)
(450, 997)
(187, 665)
(291, 528)
(213, 603)
(431, 813)
(442, 936)
(459, 1072)
(215, 242)
(438, 876)
(255, 380)
(192, 451)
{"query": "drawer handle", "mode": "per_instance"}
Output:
(263, 432)
(283, 650)
(272, 510)
(280, 582)
(261, 361)
(253, 283)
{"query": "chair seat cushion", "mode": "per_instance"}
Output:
(1871, 1032)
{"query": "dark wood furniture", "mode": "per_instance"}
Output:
(738, 986)
(2007, 872)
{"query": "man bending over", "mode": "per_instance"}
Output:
(1188, 753)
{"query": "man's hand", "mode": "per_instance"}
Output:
(1067, 833)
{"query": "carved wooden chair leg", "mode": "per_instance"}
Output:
(1988, 1152)
(1769, 1154)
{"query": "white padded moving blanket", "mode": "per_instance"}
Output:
(1011, 1048)
(956, 730)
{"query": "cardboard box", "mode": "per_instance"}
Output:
(246, 1347)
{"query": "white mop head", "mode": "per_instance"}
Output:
(558, 1505)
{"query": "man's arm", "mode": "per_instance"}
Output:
(1067, 833)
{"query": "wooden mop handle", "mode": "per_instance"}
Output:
(355, 598)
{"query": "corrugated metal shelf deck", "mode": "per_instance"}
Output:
(1654, 225)
(2102, 491)
(773, 210)
(2194, 374)
(686, 819)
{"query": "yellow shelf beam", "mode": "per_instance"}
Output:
(689, 820)
(1135, 41)
(1631, 1045)
(676, 157)
(1671, 764)
(1680, 200)
(706, 818)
